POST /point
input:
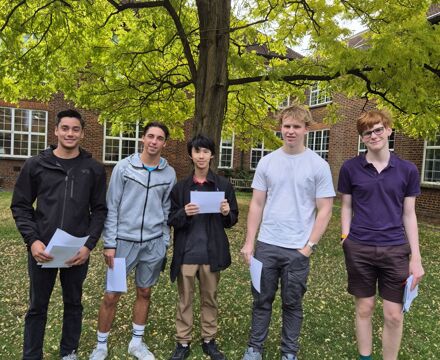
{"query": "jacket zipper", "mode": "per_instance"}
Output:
(66, 183)
(145, 206)
(72, 182)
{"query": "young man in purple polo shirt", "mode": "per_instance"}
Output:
(379, 232)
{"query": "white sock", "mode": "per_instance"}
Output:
(102, 340)
(138, 333)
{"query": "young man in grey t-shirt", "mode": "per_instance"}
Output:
(292, 204)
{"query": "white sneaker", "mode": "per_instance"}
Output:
(98, 354)
(71, 356)
(140, 351)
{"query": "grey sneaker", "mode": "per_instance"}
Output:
(250, 354)
(98, 354)
(289, 357)
(140, 351)
(71, 356)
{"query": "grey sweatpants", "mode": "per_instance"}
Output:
(292, 268)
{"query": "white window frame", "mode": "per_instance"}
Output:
(120, 138)
(263, 151)
(319, 96)
(223, 148)
(286, 102)
(426, 147)
(30, 134)
(391, 143)
(321, 150)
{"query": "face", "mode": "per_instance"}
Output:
(293, 132)
(201, 158)
(69, 133)
(154, 141)
(376, 137)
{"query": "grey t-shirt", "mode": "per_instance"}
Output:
(292, 183)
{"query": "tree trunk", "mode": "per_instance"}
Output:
(212, 72)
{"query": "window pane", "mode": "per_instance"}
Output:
(226, 158)
(128, 148)
(255, 158)
(21, 120)
(5, 144)
(111, 150)
(432, 165)
(38, 121)
(37, 144)
(21, 144)
(5, 118)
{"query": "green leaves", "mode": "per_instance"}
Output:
(132, 64)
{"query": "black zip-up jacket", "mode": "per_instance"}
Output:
(73, 202)
(218, 243)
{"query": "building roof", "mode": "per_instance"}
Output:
(264, 51)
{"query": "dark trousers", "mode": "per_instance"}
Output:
(41, 285)
(292, 268)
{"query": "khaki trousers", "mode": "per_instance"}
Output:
(208, 282)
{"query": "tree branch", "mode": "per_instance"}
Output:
(183, 38)
(8, 17)
(433, 70)
(131, 5)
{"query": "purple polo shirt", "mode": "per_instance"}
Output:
(377, 199)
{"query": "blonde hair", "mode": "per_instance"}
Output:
(296, 112)
(370, 118)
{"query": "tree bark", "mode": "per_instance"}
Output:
(212, 71)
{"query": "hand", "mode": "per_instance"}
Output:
(306, 251)
(247, 251)
(38, 252)
(80, 258)
(224, 207)
(109, 255)
(191, 209)
(416, 269)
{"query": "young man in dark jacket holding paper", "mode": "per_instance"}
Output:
(201, 247)
(69, 188)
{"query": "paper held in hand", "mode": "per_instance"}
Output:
(208, 201)
(62, 246)
(409, 295)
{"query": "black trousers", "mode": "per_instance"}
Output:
(41, 285)
(291, 268)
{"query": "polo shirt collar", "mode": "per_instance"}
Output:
(209, 179)
(391, 162)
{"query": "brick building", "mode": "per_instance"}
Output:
(336, 143)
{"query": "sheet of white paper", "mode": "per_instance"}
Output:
(63, 238)
(255, 269)
(208, 201)
(409, 295)
(60, 255)
(117, 277)
(64, 243)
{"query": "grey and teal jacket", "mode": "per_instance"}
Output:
(73, 201)
(138, 202)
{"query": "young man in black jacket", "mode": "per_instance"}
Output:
(201, 248)
(69, 188)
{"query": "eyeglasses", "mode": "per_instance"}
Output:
(377, 131)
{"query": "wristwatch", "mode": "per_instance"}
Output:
(312, 246)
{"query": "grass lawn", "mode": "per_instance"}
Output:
(328, 310)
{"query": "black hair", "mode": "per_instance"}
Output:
(70, 113)
(200, 141)
(158, 124)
